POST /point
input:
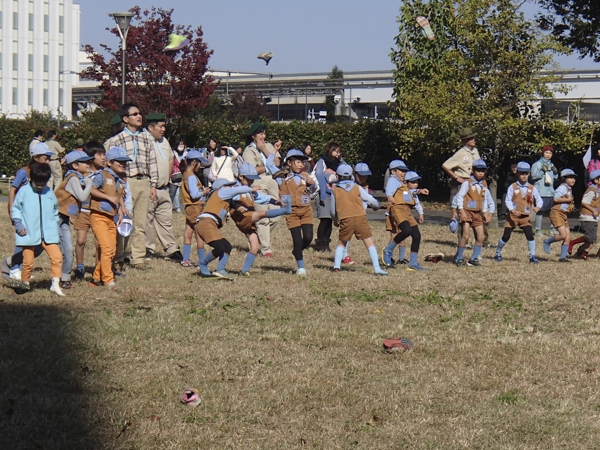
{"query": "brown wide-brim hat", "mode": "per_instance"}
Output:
(254, 128)
(466, 134)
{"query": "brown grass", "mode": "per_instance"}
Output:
(506, 355)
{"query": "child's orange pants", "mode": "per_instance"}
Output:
(105, 230)
(54, 253)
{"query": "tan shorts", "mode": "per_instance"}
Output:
(192, 212)
(355, 226)
(208, 230)
(301, 215)
(558, 218)
(514, 221)
(390, 225)
(82, 222)
(401, 214)
(473, 217)
(243, 221)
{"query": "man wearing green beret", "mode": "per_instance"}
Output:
(160, 210)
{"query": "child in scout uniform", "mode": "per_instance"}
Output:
(73, 190)
(107, 212)
(82, 224)
(293, 192)
(563, 204)
(401, 200)
(473, 200)
(210, 223)
(193, 195)
(521, 198)
(590, 206)
(348, 211)
(244, 215)
(397, 171)
(35, 218)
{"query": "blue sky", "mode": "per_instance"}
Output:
(304, 36)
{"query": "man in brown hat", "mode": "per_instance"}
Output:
(459, 165)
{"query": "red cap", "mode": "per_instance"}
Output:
(547, 148)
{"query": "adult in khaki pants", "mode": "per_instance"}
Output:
(142, 176)
(55, 166)
(257, 153)
(160, 211)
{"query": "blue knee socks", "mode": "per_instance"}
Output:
(531, 245)
(501, 245)
(223, 261)
(200, 255)
(339, 255)
(250, 257)
(187, 248)
(476, 252)
(374, 258)
(459, 253)
(563, 251)
(402, 251)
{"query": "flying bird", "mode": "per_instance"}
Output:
(266, 57)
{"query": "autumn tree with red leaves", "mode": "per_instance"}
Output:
(173, 84)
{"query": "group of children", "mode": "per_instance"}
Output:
(94, 194)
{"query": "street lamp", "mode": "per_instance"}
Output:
(60, 74)
(123, 20)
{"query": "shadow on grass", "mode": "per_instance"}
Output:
(43, 403)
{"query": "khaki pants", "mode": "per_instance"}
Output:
(140, 198)
(57, 174)
(54, 253)
(264, 228)
(160, 220)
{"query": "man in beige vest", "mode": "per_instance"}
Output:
(160, 210)
(55, 166)
(460, 165)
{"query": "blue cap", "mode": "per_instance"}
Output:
(249, 171)
(595, 174)
(195, 154)
(479, 164)
(412, 176)
(41, 149)
(220, 182)
(117, 154)
(522, 166)
(362, 169)
(344, 170)
(568, 173)
(77, 156)
(453, 226)
(295, 153)
(398, 164)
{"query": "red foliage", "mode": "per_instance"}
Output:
(175, 85)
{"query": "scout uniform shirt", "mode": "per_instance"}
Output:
(461, 163)
(564, 190)
(72, 192)
(475, 196)
(521, 197)
(109, 183)
(590, 204)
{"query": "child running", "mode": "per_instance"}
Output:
(590, 205)
(348, 211)
(521, 198)
(563, 204)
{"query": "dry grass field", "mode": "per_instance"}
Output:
(506, 355)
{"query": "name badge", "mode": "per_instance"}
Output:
(527, 209)
(517, 191)
(305, 199)
(472, 204)
(109, 182)
(407, 196)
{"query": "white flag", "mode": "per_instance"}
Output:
(587, 157)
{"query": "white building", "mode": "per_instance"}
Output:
(39, 44)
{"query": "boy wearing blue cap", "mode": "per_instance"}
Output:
(107, 211)
(521, 198)
(564, 203)
(73, 190)
(347, 210)
(245, 216)
(475, 207)
(590, 206)
(193, 195)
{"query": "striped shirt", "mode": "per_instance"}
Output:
(141, 150)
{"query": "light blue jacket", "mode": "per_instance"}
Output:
(38, 213)
(538, 171)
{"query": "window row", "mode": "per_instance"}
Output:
(15, 62)
(61, 22)
(15, 96)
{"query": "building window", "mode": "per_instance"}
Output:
(30, 97)
(30, 22)
(15, 21)
(61, 63)
(61, 24)
(15, 96)
(46, 63)
(15, 61)
(45, 97)
(0, 63)
(30, 63)
(46, 22)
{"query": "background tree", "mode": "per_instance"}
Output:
(157, 81)
(575, 23)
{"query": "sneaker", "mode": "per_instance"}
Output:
(379, 272)
(583, 256)
(547, 248)
(347, 260)
(244, 274)
(460, 263)
(386, 257)
(140, 266)
(534, 260)
(415, 266)
(22, 287)
(468, 246)
(175, 256)
(400, 262)
(538, 233)
(118, 269)
(301, 272)
(55, 287)
(150, 254)
(187, 263)
(473, 262)
(268, 255)
(335, 270)
(563, 260)
(204, 272)
(80, 274)
(220, 273)
(95, 283)
(498, 258)
(66, 285)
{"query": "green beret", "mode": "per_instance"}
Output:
(115, 120)
(254, 128)
(79, 142)
(156, 117)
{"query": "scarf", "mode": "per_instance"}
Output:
(134, 137)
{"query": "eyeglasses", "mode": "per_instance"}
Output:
(135, 114)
